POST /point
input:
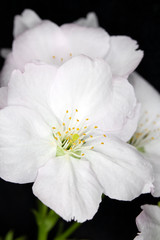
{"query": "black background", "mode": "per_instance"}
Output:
(140, 20)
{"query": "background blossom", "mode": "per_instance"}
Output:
(147, 135)
(44, 41)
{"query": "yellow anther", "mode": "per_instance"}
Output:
(84, 134)
(71, 134)
(76, 110)
(91, 136)
(92, 147)
(59, 133)
(53, 128)
(71, 148)
(53, 57)
(67, 138)
(87, 119)
(66, 111)
(70, 54)
(70, 118)
(69, 129)
(95, 126)
(102, 142)
(73, 128)
(66, 132)
(82, 154)
(63, 124)
(79, 141)
(83, 141)
(85, 127)
(77, 120)
(104, 135)
(77, 129)
(61, 59)
(152, 138)
(138, 135)
(56, 138)
(74, 143)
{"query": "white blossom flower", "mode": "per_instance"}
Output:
(38, 40)
(61, 130)
(148, 223)
(147, 135)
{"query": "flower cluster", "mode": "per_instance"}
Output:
(71, 122)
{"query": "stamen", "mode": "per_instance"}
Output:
(61, 59)
(53, 57)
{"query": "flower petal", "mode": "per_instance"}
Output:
(32, 88)
(83, 84)
(149, 97)
(92, 42)
(28, 19)
(26, 143)
(148, 223)
(69, 187)
(91, 20)
(123, 109)
(123, 55)
(3, 97)
(154, 159)
(120, 169)
(42, 43)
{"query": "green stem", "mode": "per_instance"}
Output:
(68, 232)
(42, 234)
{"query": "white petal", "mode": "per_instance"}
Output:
(82, 84)
(146, 94)
(26, 143)
(3, 97)
(32, 89)
(123, 109)
(69, 187)
(91, 20)
(123, 55)
(120, 169)
(28, 19)
(41, 43)
(148, 223)
(154, 159)
(92, 42)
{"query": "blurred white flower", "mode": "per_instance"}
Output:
(148, 223)
(147, 136)
(61, 130)
(43, 40)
